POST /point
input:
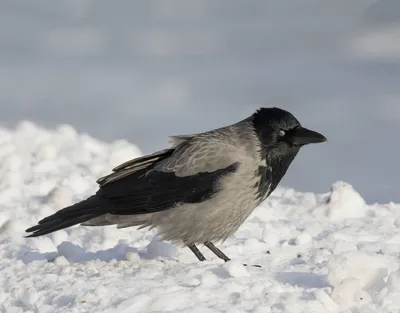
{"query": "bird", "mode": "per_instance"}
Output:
(200, 189)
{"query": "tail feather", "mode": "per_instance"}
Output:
(69, 216)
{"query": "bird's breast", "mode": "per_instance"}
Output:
(216, 218)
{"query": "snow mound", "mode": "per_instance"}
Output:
(319, 253)
(356, 276)
(344, 202)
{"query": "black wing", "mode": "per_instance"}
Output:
(150, 190)
(188, 173)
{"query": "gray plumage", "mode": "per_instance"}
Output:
(193, 223)
(201, 189)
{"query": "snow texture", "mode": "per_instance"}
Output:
(319, 253)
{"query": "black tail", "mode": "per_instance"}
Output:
(70, 216)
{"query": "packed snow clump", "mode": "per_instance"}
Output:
(344, 202)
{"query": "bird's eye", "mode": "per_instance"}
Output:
(282, 133)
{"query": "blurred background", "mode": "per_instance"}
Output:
(143, 70)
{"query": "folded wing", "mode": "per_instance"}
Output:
(187, 174)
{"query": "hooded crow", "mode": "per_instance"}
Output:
(200, 189)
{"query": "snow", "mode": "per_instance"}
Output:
(328, 252)
(344, 202)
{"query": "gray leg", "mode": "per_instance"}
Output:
(197, 252)
(216, 251)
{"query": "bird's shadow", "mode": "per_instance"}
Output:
(303, 279)
(77, 254)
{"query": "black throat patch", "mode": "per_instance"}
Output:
(264, 183)
(270, 175)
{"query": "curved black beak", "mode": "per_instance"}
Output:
(302, 136)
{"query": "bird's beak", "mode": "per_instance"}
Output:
(302, 136)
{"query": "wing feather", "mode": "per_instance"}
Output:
(187, 174)
(199, 156)
(135, 165)
(175, 141)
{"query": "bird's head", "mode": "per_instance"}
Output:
(281, 134)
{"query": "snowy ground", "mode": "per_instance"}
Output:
(319, 253)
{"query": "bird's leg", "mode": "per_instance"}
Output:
(220, 254)
(216, 251)
(197, 252)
